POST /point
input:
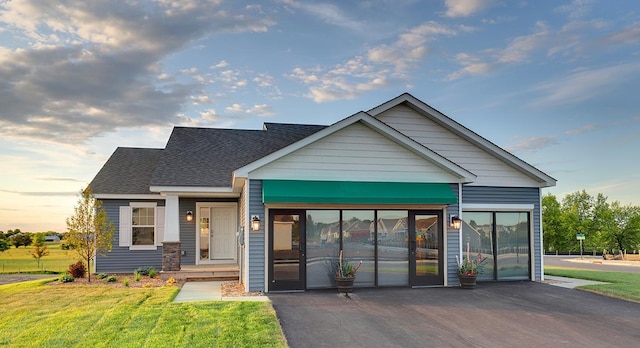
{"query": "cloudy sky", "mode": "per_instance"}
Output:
(555, 82)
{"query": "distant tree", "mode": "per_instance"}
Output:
(554, 236)
(90, 232)
(39, 250)
(4, 245)
(21, 239)
(12, 232)
(625, 233)
(2, 235)
(577, 217)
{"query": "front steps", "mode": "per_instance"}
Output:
(216, 272)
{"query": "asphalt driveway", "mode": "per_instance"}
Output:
(509, 314)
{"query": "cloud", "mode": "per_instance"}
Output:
(374, 69)
(329, 13)
(93, 68)
(61, 179)
(258, 109)
(43, 194)
(532, 144)
(577, 9)
(464, 8)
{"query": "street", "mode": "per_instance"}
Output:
(592, 263)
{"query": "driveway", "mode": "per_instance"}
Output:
(507, 314)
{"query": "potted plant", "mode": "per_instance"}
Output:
(469, 269)
(345, 274)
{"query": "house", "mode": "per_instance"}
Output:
(268, 202)
(52, 238)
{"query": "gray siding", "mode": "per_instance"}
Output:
(511, 195)
(453, 241)
(121, 259)
(256, 247)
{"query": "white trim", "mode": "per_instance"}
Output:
(541, 240)
(143, 204)
(464, 175)
(460, 215)
(500, 207)
(267, 266)
(445, 231)
(457, 128)
(127, 196)
(245, 246)
(153, 205)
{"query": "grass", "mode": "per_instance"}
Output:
(623, 285)
(75, 315)
(19, 260)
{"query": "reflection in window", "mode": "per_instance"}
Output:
(358, 245)
(143, 226)
(286, 247)
(323, 246)
(477, 238)
(512, 231)
(393, 251)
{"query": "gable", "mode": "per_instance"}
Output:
(491, 169)
(356, 152)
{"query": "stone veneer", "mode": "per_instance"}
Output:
(171, 256)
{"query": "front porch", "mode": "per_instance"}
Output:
(226, 272)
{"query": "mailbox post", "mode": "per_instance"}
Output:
(580, 237)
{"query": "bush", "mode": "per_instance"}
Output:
(152, 273)
(101, 275)
(112, 279)
(77, 270)
(144, 270)
(125, 282)
(65, 246)
(136, 276)
(67, 278)
(171, 281)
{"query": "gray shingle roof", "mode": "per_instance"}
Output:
(208, 156)
(127, 171)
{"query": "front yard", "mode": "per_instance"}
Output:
(78, 315)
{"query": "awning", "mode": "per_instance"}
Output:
(349, 192)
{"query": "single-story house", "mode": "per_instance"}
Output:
(278, 204)
(52, 238)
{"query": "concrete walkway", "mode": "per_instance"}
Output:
(209, 291)
(569, 283)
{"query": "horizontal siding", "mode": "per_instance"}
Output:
(453, 241)
(356, 151)
(121, 259)
(256, 262)
(490, 170)
(511, 195)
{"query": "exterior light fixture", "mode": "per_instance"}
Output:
(189, 216)
(455, 222)
(255, 223)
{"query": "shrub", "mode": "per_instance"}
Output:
(144, 270)
(136, 276)
(171, 281)
(67, 278)
(65, 246)
(125, 282)
(77, 270)
(112, 279)
(147, 285)
(101, 275)
(152, 273)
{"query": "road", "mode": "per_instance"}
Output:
(592, 263)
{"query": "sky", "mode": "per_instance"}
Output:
(555, 82)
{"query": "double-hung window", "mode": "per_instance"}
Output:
(141, 226)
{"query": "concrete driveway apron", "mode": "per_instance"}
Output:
(507, 314)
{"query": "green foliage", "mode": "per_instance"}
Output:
(39, 250)
(77, 270)
(21, 239)
(90, 231)
(137, 276)
(4, 245)
(144, 270)
(101, 275)
(67, 278)
(153, 273)
(112, 279)
(125, 282)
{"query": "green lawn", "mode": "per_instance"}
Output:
(35, 314)
(19, 260)
(623, 285)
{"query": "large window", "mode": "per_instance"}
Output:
(393, 247)
(357, 233)
(143, 226)
(323, 246)
(501, 237)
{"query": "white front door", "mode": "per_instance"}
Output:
(217, 227)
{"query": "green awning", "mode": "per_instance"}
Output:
(349, 192)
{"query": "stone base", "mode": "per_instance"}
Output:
(171, 256)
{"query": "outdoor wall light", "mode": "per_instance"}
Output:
(255, 223)
(189, 216)
(455, 222)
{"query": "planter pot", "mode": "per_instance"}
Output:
(345, 285)
(468, 281)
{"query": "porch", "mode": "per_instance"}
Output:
(212, 272)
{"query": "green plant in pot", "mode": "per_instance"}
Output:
(469, 268)
(345, 273)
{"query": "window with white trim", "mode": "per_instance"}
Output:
(141, 226)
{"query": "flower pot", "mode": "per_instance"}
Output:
(345, 284)
(468, 281)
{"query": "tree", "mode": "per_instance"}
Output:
(39, 250)
(625, 232)
(90, 232)
(552, 224)
(21, 239)
(4, 245)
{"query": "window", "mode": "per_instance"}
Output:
(141, 226)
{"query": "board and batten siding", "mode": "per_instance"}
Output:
(511, 195)
(453, 241)
(121, 259)
(354, 152)
(256, 248)
(490, 170)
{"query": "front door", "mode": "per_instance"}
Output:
(217, 232)
(287, 259)
(425, 248)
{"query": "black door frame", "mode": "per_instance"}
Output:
(431, 280)
(301, 282)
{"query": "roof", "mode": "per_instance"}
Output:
(127, 171)
(208, 156)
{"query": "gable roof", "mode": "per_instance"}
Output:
(127, 171)
(208, 156)
(467, 134)
(380, 127)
